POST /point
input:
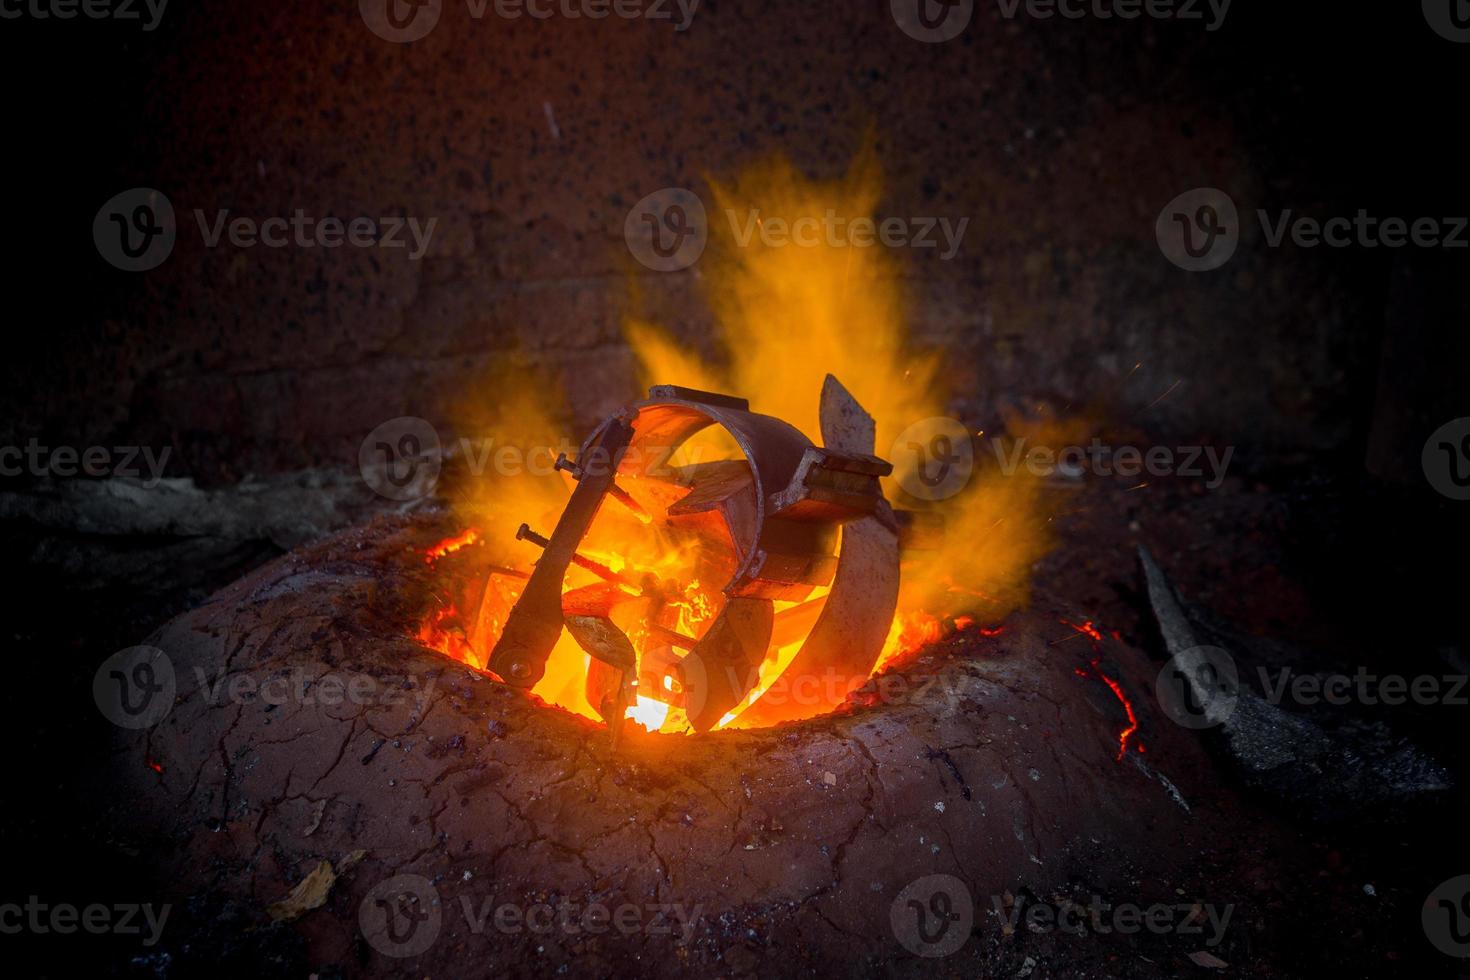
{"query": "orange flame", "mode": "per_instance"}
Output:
(450, 545)
(786, 315)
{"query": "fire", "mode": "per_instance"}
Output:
(441, 630)
(450, 545)
(786, 317)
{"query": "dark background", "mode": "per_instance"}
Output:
(1060, 140)
(1327, 369)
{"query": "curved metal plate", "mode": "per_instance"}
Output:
(844, 645)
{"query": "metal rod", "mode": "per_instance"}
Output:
(614, 491)
(524, 533)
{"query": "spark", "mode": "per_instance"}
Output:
(1085, 629)
(1167, 393)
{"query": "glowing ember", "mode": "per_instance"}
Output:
(1086, 629)
(442, 631)
(1117, 690)
(450, 545)
(1090, 631)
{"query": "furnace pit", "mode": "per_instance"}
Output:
(711, 565)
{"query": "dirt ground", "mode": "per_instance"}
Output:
(795, 843)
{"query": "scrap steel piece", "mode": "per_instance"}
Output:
(1322, 771)
(779, 508)
(724, 665)
(613, 689)
(535, 621)
(848, 637)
